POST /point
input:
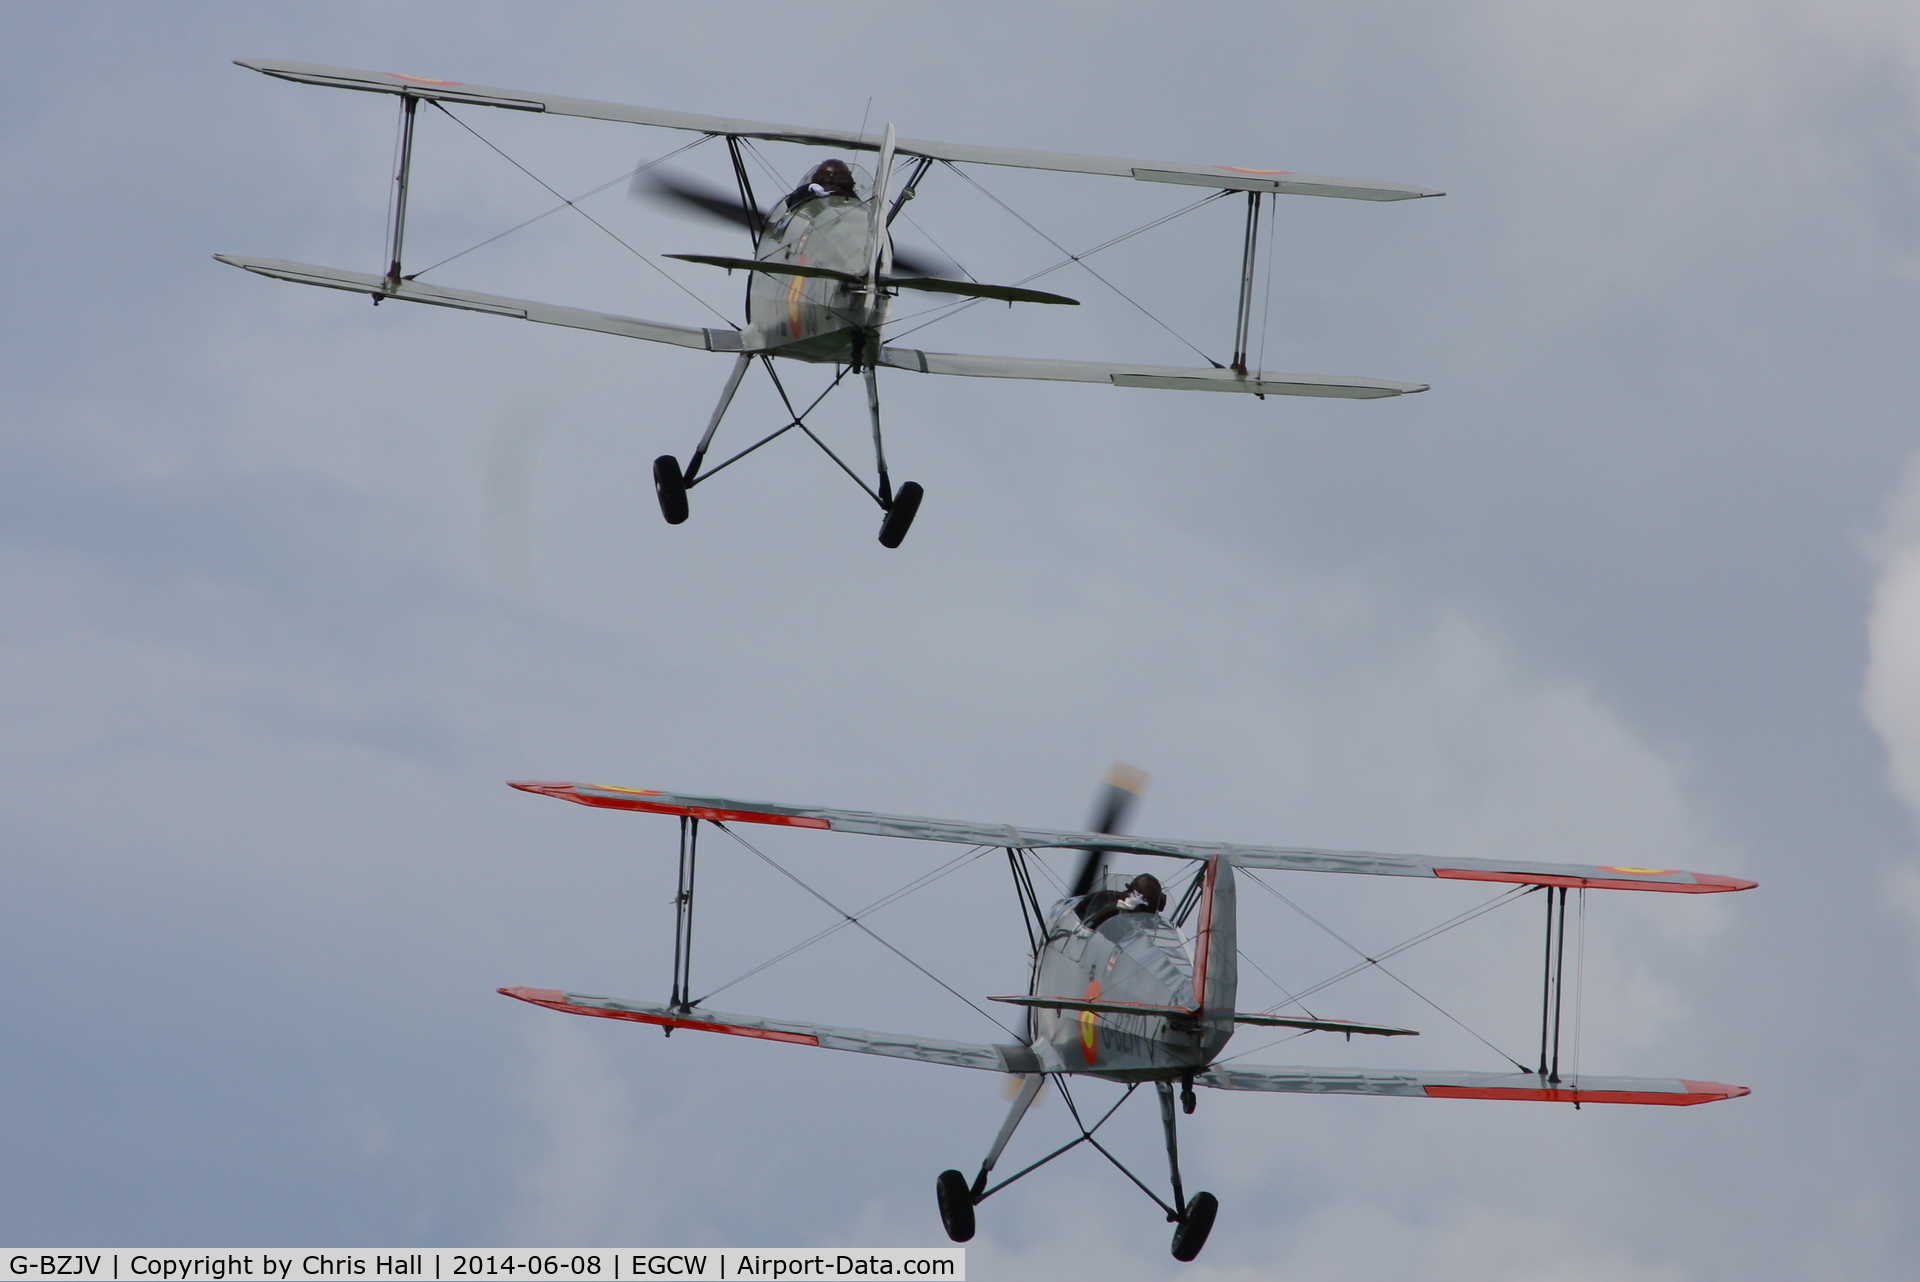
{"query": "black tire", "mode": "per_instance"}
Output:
(1192, 1233)
(906, 501)
(671, 487)
(956, 1205)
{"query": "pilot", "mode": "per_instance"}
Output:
(829, 178)
(1142, 895)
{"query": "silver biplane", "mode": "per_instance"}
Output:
(1125, 989)
(824, 271)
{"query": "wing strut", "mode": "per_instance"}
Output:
(1243, 320)
(683, 919)
(1553, 972)
(407, 105)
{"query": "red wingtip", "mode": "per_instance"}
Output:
(539, 995)
(1724, 1090)
(1724, 883)
(534, 785)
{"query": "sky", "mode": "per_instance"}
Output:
(290, 586)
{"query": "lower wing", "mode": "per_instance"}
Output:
(412, 291)
(1172, 378)
(998, 1059)
(1435, 1085)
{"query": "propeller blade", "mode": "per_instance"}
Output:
(1111, 806)
(908, 263)
(674, 190)
(671, 189)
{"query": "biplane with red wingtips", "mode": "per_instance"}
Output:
(823, 270)
(1124, 988)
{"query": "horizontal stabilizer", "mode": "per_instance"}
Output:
(928, 1050)
(1187, 1012)
(973, 289)
(1290, 858)
(1324, 1025)
(1418, 1084)
(929, 284)
(773, 269)
(1101, 1008)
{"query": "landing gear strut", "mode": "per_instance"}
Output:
(1194, 1216)
(671, 482)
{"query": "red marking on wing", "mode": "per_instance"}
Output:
(554, 999)
(634, 801)
(1696, 1093)
(1702, 884)
(421, 80)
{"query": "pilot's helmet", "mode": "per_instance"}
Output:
(1146, 887)
(834, 175)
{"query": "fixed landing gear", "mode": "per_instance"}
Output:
(956, 1205)
(900, 512)
(671, 482)
(671, 486)
(1193, 1230)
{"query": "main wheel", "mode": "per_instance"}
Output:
(1192, 1233)
(956, 1206)
(906, 501)
(671, 486)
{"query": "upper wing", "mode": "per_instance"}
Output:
(1173, 378)
(1231, 177)
(413, 291)
(998, 1059)
(1303, 859)
(1422, 1084)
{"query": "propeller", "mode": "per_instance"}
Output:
(1111, 806)
(712, 201)
(715, 202)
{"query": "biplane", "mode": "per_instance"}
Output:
(1124, 988)
(823, 271)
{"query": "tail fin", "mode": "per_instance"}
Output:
(1216, 953)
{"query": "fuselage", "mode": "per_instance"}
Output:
(809, 317)
(1137, 958)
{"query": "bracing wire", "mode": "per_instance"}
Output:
(1291, 999)
(864, 928)
(629, 176)
(885, 901)
(1505, 897)
(1263, 1046)
(954, 309)
(1080, 259)
(551, 190)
